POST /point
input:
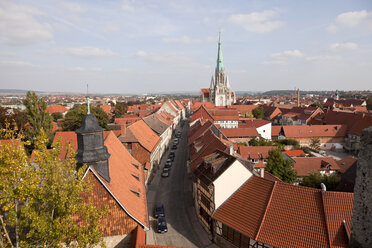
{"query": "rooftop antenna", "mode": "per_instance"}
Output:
(88, 100)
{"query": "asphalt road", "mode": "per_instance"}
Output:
(175, 192)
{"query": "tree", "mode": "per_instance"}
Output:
(280, 167)
(315, 143)
(12, 116)
(73, 118)
(315, 179)
(56, 116)
(37, 116)
(121, 108)
(316, 104)
(369, 103)
(260, 142)
(258, 113)
(41, 203)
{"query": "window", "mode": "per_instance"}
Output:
(205, 201)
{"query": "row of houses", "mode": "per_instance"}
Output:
(240, 204)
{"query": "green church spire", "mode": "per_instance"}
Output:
(219, 56)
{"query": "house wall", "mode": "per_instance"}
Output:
(227, 124)
(265, 131)
(227, 183)
(241, 140)
(325, 142)
(116, 221)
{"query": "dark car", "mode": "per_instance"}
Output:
(162, 225)
(171, 158)
(159, 211)
(172, 154)
(165, 172)
(168, 164)
(174, 147)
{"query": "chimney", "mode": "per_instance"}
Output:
(298, 97)
(91, 149)
(262, 172)
(231, 151)
(361, 222)
(123, 129)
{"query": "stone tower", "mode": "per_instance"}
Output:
(219, 91)
(361, 222)
(91, 149)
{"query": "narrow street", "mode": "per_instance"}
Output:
(175, 193)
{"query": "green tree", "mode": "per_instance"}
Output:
(73, 118)
(37, 116)
(316, 104)
(258, 113)
(315, 143)
(315, 179)
(280, 167)
(12, 116)
(121, 108)
(56, 116)
(41, 203)
(260, 142)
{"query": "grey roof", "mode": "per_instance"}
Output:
(155, 124)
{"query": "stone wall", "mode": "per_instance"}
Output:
(361, 222)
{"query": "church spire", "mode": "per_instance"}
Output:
(219, 56)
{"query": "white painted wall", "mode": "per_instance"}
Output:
(227, 183)
(227, 124)
(265, 131)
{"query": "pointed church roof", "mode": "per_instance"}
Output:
(219, 56)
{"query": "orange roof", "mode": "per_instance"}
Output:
(56, 109)
(124, 170)
(346, 163)
(255, 152)
(66, 137)
(285, 215)
(144, 135)
(239, 132)
(260, 164)
(301, 131)
(202, 114)
(295, 153)
(275, 130)
(106, 108)
(305, 165)
(126, 120)
(254, 123)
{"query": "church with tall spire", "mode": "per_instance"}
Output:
(219, 91)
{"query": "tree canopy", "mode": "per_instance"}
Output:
(73, 118)
(315, 179)
(258, 113)
(121, 108)
(41, 200)
(316, 104)
(280, 167)
(369, 103)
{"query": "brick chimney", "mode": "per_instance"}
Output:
(298, 97)
(361, 222)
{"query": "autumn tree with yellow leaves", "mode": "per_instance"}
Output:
(41, 203)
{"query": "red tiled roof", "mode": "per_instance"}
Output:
(260, 164)
(295, 153)
(275, 130)
(126, 120)
(239, 132)
(285, 215)
(202, 114)
(66, 137)
(301, 131)
(346, 163)
(123, 181)
(199, 131)
(106, 108)
(305, 165)
(144, 135)
(254, 123)
(56, 109)
(255, 152)
(270, 177)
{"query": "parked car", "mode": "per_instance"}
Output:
(168, 164)
(172, 154)
(159, 211)
(174, 147)
(171, 158)
(165, 172)
(162, 225)
(175, 141)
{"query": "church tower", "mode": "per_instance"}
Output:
(219, 92)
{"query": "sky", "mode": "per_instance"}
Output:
(144, 46)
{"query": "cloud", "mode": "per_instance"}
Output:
(322, 58)
(19, 26)
(287, 54)
(352, 19)
(141, 54)
(343, 46)
(283, 57)
(257, 22)
(16, 64)
(110, 27)
(128, 5)
(73, 7)
(77, 68)
(182, 40)
(89, 52)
